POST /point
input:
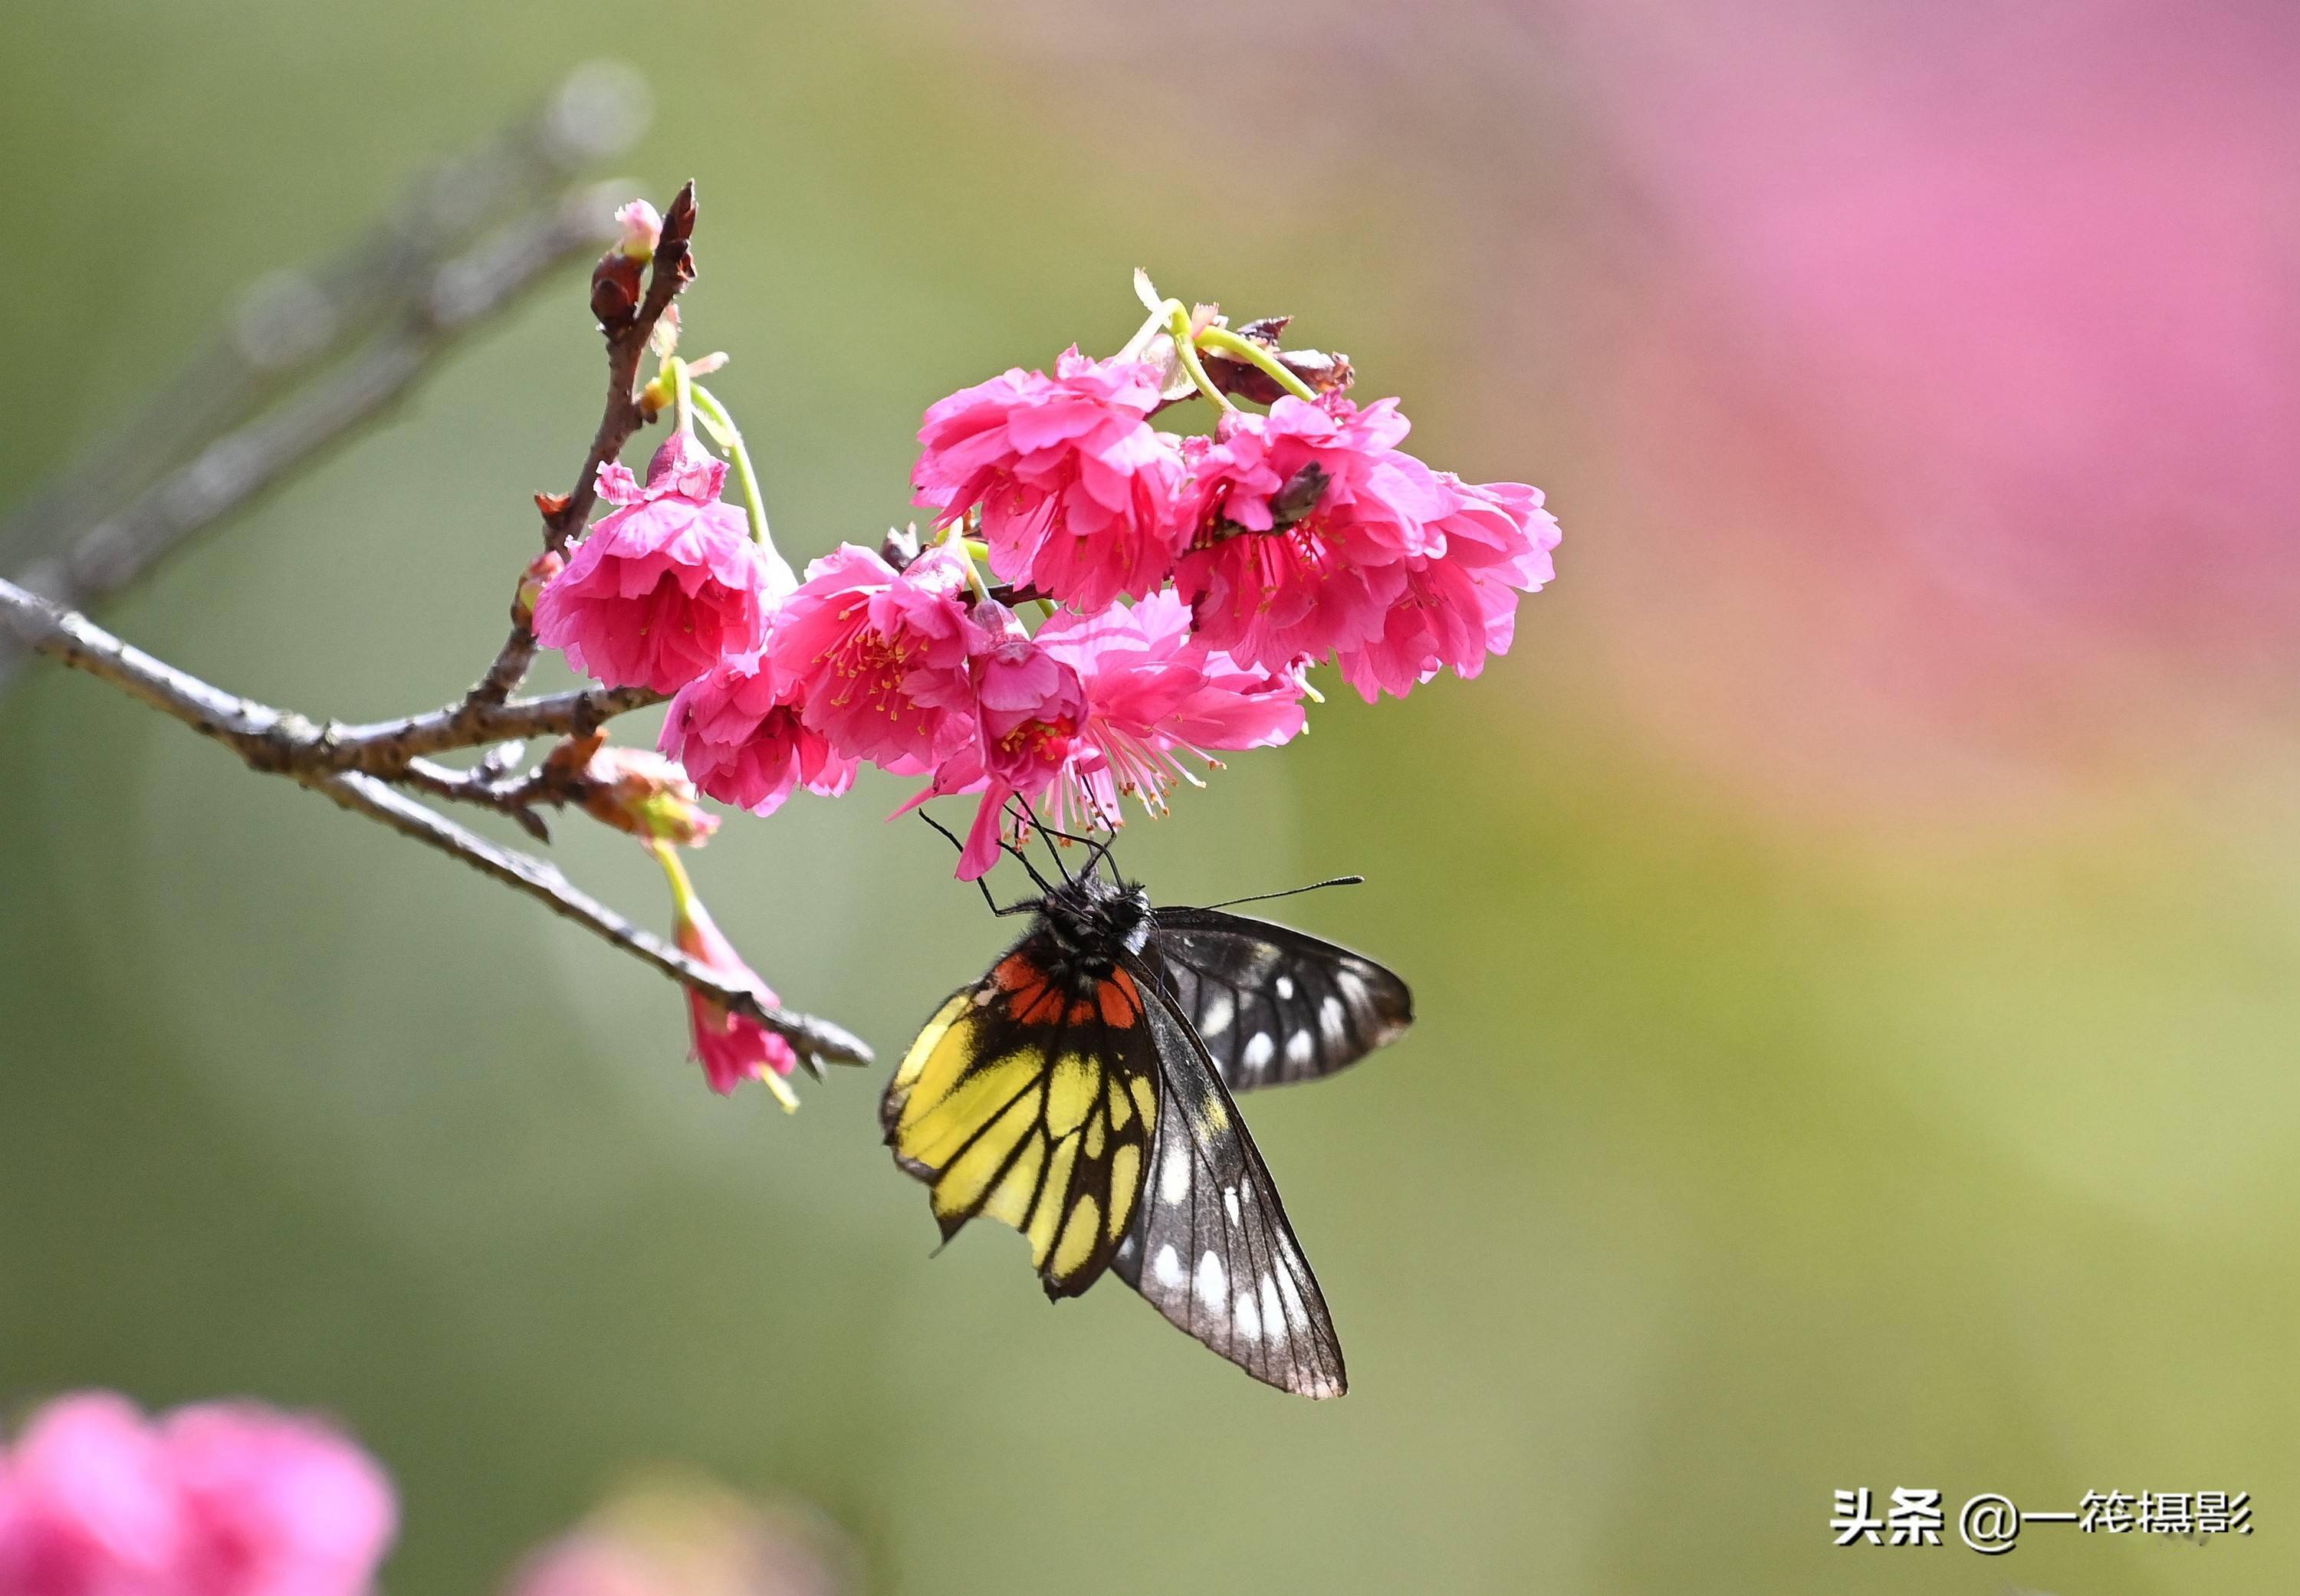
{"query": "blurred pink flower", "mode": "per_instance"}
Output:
(591, 1565)
(745, 744)
(274, 1504)
(217, 1500)
(875, 658)
(1302, 521)
(1076, 487)
(1459, 604)
(89, 1506)
(663, 588)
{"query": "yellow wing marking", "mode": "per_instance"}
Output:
(1048, 1214)
(1081, 1233)
(1006, 1137)
(1125, 1182)
(915, 1061)
(968, 1179)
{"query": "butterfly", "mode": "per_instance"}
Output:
(1082, 1092)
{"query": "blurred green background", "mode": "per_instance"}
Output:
(1853, 929)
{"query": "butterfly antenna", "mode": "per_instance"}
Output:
(1291, 891)
(989, 902)
(1098, 847)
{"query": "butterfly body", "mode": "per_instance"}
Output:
(1074, 1095)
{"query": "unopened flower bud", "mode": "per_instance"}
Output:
(642, 226)
(531, 583)
(615, 286)
(633, 789)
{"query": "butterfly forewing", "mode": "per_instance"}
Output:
(1273, 1004)
(1210, 1245)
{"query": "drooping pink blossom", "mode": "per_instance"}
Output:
(1301, 524)
(875, 658)
(1076, 487)
(222, 1499)
(745, 744)
(667, 585)
(1460, 603)
(732, 1048)
(275, 1504)
(1155, 692)
(1029, 707)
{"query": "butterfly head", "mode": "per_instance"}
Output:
(1093, 920)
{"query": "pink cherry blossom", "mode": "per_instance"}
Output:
(1076, 487)
(668, 584)
(1154, 693)
(1028, 708)
(1459, 604)
(1302, 521)
(274, 1504)
(220, 1500)
(745, 744)
(875, 658)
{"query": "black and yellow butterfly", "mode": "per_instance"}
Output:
(1081, 1092)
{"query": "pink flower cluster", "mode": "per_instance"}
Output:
(221, 1500)
(1189, 585)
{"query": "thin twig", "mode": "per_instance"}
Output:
(229, 472)
(270, 740)
(383, 746)
(627, 346)
(294, 322)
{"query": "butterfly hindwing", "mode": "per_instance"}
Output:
(1273, 1004)
(1035, 1105)
(1210, 1245)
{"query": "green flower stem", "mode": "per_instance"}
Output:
(1246, 349)
(976, 545)
(723, 425)
(956, 532)
(1177, 326)
(682, 889)
(682, 388)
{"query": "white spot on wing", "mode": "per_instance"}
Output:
(1297, 1315)
(1168, 1267)
(1299, 1046)
(1330, 1019)
(1246, 1314)
(1273, 1313)
(1229, 1203)
(1286, 987)
(1214, 1284)
(1174, 1174)
(1221, 1009)
(1259, 1050)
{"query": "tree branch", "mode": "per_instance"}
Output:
(381, 747)
(236, 468)
(627, 343)
(273, 740)
(294, 321)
